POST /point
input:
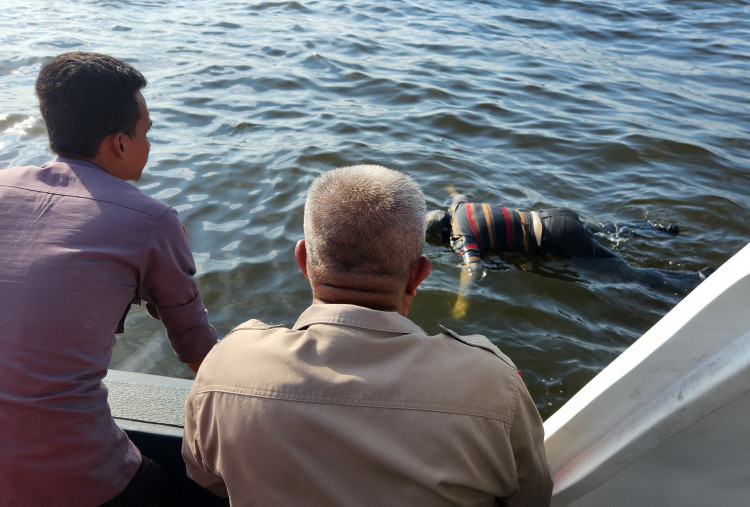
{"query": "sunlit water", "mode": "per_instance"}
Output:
(627, 112)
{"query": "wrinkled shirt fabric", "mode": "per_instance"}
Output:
(354, 406)
(77, 245)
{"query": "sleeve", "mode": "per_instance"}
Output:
(166, 283)
(527, 441)
(459, 198)
(463, 241)
(192, 453)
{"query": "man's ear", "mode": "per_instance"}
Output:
(419, 272)
(120, 143)
(114, 144)
(300, 253)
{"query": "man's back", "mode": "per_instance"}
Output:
(73, 240)
(360, 407)
(491, 228)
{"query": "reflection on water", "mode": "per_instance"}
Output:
(626, 112)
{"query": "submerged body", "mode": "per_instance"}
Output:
(476, 229)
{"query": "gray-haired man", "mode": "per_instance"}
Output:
(355, 404)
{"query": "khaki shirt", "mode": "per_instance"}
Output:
(360, 407)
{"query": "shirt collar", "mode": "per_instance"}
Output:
(356, 316)
(77, 161)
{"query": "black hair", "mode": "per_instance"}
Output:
(84, 97)
(438, 226)
(446, 231)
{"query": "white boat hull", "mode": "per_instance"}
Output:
(666, 423)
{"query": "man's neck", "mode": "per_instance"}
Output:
(378, 292)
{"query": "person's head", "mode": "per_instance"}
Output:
(364, 233)
(438, 226)
(86, 98)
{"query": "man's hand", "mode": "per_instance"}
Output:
(469, 273)
(460, 307)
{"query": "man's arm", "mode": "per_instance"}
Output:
(467, 249)
(193, 449)
(167, 285)
(469, 272)
(527, 440)
(455, 196)
(459, 198)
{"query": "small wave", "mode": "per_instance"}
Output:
(263, 6)
(225, 226)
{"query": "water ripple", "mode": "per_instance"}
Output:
(628, 112)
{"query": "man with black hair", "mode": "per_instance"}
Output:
(79, 245)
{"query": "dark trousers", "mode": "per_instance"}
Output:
(150, 486)
(564, 234)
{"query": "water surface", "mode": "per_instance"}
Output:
(624, 111)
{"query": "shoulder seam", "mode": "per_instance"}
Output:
(494, 351)
(321, 398)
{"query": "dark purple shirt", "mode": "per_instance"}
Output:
(76, 246)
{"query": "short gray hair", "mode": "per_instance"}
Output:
(366, 219)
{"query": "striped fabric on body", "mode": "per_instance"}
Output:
(481, 227)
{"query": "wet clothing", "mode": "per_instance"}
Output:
(477, 228)
(481, 227)
(354, 406)
(77, 245)
(564, 234)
